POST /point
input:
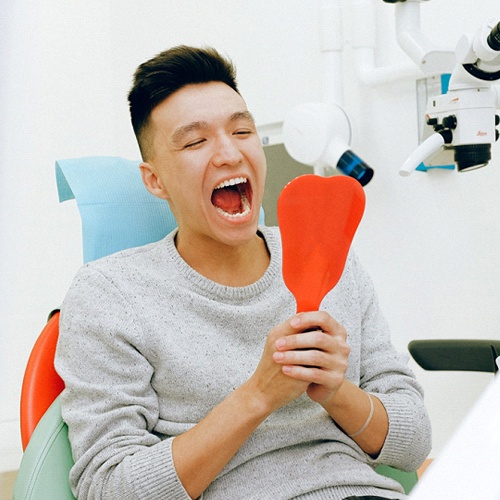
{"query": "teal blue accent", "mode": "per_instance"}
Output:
(262, 216)
(425, 168)
(354, 164)
(445, 82)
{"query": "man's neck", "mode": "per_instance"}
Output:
(227, 265)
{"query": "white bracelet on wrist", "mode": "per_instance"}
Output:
(368, 420)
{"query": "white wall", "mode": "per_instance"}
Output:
(429, 241)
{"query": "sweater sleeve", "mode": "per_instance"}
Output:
(385, 373)
(108, 403)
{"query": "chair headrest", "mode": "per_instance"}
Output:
(116, 209)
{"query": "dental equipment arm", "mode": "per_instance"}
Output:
(427, 148)
(429, 59)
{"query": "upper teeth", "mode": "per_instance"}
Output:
(231, 182)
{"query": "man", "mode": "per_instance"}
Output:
(187, 372)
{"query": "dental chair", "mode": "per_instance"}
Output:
(117, 212)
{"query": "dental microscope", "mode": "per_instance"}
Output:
(462, 121)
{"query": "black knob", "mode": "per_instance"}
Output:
(450, 122)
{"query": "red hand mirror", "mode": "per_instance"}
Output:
(318, 217)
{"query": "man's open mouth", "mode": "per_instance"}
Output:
(233, 197)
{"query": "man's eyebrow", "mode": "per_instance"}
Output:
(180, 132)
(242, 115)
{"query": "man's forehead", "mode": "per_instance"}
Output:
(194, 102)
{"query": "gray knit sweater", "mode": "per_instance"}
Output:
(148, 347)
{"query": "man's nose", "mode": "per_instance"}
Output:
(227, 152)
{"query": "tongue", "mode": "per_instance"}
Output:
(227, 199)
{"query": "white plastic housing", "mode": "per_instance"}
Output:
(308, 131)
(474, 110)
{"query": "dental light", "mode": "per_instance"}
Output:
(319, 134)
(463, 120)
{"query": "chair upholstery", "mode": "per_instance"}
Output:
(406, 479)
(41, 383)
(47, 460)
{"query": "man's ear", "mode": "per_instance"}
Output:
(152, 181)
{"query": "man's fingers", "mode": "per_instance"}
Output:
(316, 320)
(307, 340)
(309, 357)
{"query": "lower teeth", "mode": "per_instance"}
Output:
(246, 209)
(234, 216)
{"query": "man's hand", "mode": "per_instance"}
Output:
(269, 384)
(314, 350)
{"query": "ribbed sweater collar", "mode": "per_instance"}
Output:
(206, 287)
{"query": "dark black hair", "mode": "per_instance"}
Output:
(167, 72)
